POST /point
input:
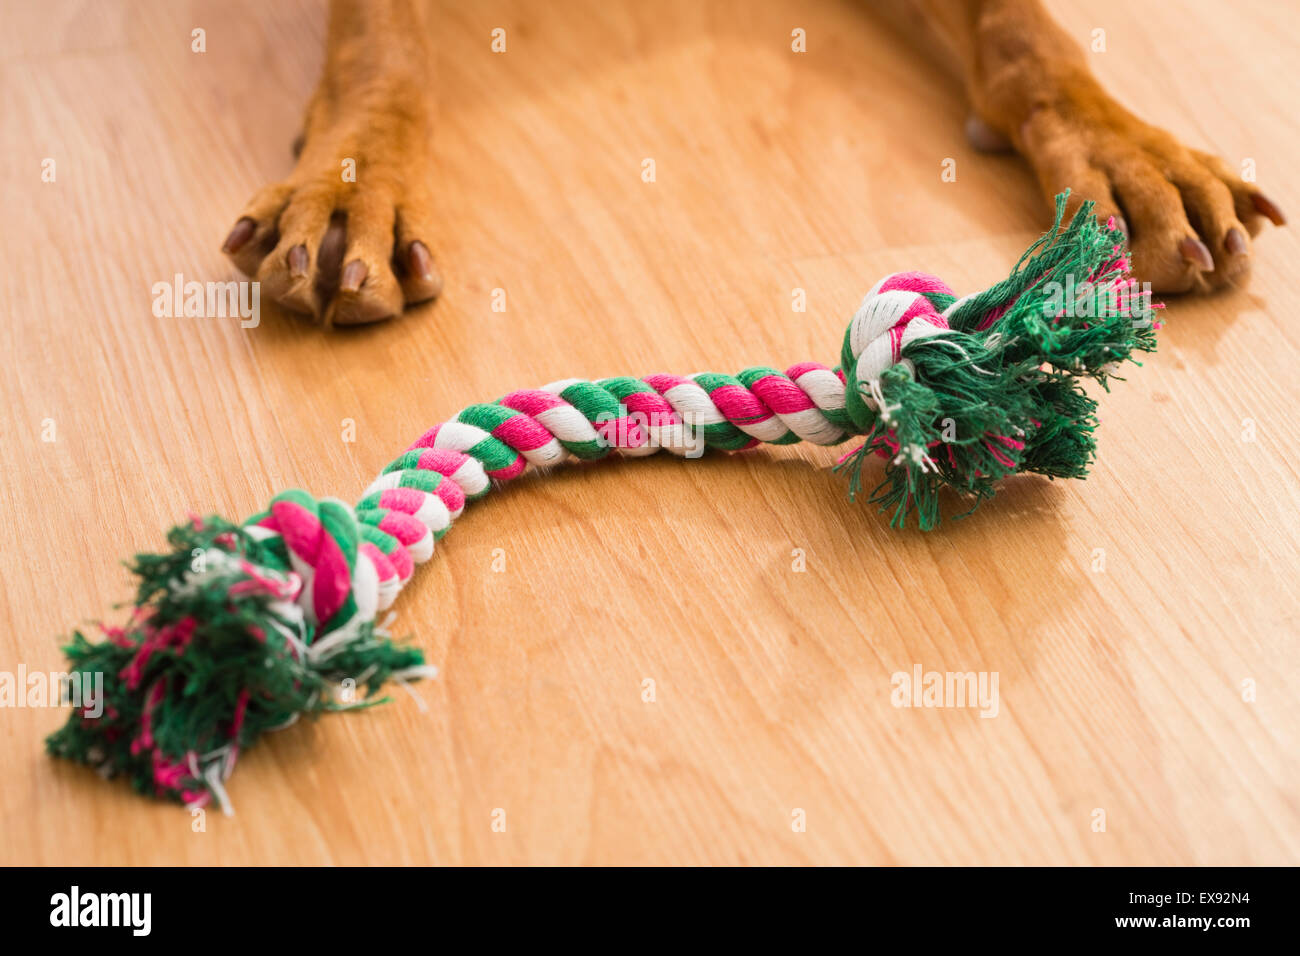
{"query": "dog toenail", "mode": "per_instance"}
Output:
(1194, 251)
(242, 232)
(1122, 225)
(354, 273)
(1266, 207)
(984, 137)
(421, 261)
(298, 261)
(1235, 241)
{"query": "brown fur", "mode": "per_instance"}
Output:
(372, 107)
(1188, 215)
(352, 252)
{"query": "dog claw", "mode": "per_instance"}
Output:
(354, 273)
(1266, 207)
(1194, 251)
(239, 236)
(421, 262)
(984, 137)
(298, 261)
(1235, 242)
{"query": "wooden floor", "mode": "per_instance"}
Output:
(1127, 617)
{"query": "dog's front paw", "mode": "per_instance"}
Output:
(1189, 218)
(345, 237)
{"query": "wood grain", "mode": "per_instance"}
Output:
(1120, 689)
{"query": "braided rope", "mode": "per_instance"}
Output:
(354, 562)
(278, 613)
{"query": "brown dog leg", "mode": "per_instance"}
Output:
(1188, 215)
(344, 238)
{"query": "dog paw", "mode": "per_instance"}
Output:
(1188, 216)
(344, 238)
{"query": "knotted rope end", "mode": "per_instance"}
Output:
(215, 652)
(961, 393)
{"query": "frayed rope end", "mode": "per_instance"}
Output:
(215, 653)
(999, 391)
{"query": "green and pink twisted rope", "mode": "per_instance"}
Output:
(241, 629)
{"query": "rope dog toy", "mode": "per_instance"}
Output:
(241, 629)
